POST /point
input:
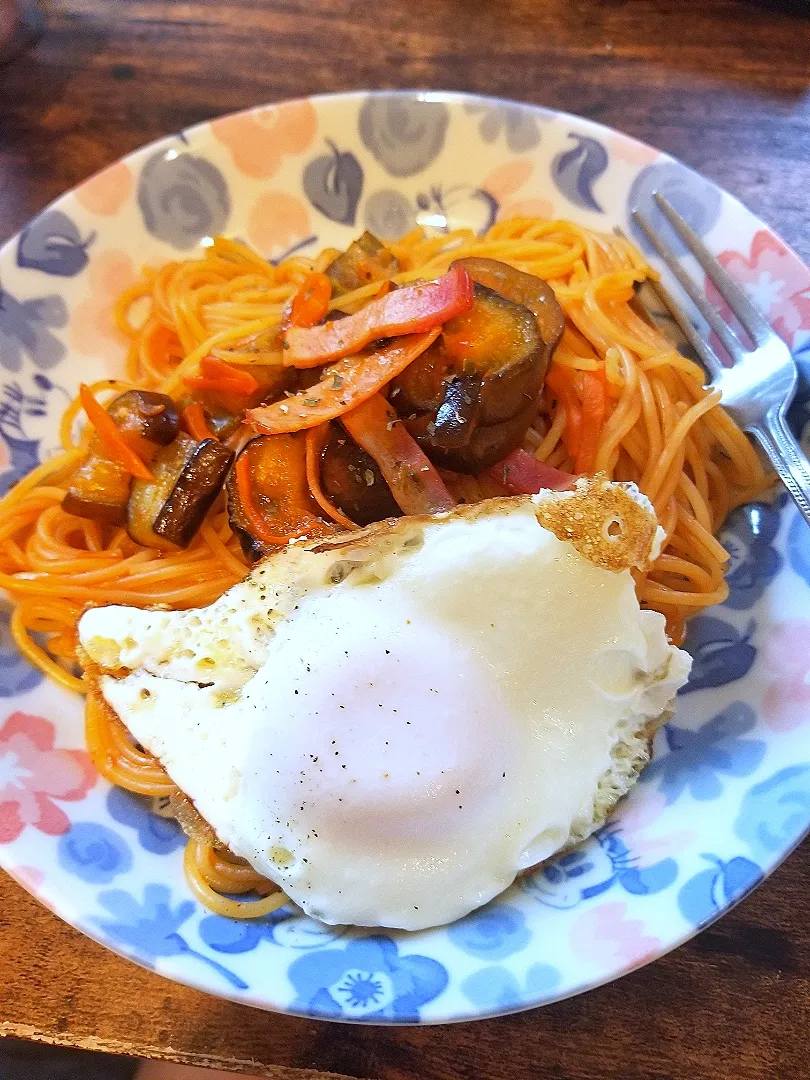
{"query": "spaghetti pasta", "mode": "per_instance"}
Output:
(619, 396)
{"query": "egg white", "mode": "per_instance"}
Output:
(393, 748)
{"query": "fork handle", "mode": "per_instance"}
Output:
(787, 457)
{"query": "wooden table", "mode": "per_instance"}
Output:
(722, 84)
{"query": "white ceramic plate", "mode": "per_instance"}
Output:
(728, 794)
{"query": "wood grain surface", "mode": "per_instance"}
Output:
(722, 84)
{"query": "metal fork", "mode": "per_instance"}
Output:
(759, 386)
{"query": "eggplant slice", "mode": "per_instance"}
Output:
(526, 289)
(188, 475)
(469, 399)
(200, 481)
(145, 417)
(364, 261)
(353, 481)
(99, 489)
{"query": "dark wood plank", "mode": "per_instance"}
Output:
(734, 1004)
(723, 84)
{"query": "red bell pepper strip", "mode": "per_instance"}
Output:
(195, 422)
(411, 310)
(522, 474)
(311, 303)
(342, 387)
(413, 480)
(216, 375)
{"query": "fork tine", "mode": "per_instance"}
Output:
(729, 339)
(753, 320)
(706, 354)
(708, 357)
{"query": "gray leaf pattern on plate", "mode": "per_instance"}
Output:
(333, 183)
(518, 123)
(52, 243)
(404, 134)
(576, 171)
(25, 330)
(697, 201)
(389, 214)
(182, 198)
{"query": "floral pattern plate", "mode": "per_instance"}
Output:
(728, 793)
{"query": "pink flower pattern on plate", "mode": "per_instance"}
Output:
(33, 774)
(776, 281)
(605, 937)
(637, 817)
(786, 702)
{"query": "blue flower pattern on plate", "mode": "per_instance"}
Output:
(696, 758)
(492, 932)
(367, 980)
(26, 403)
(52, 243)
(798, 546)
(775, 811)
(748, 537)
(16, 674)
(576, 171)
(710, 891)
(720, 652)
(595, 867)
(94, 853)
(160, 835)
(286, 927)
(150, 928)
(495, 988)
(26, 331)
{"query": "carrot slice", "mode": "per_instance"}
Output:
(217, 375)
(411, 310)
(316, 440)
(282, 474)
(195, 423)
(414, 481)
(564, 391)
(343, 387)
(311, 303)
(594, 407)
(112, 438)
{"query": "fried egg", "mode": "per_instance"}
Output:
(394, 724)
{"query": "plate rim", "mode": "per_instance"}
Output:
(454, 98)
